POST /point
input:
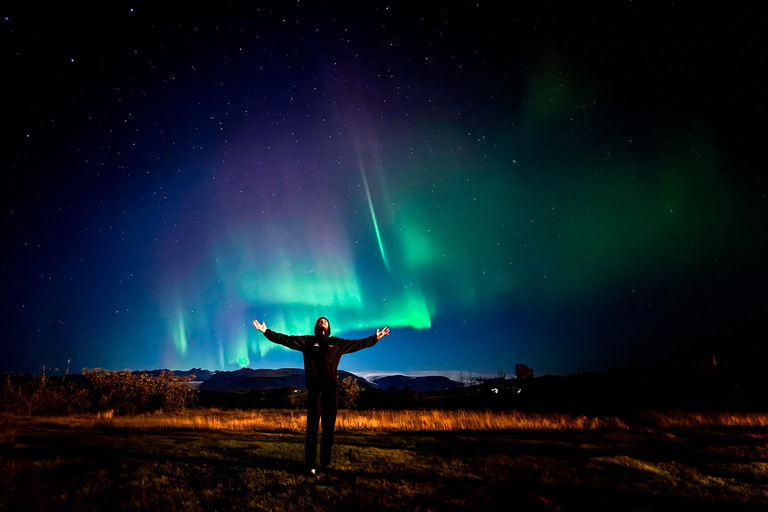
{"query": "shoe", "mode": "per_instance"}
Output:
(312, 472)
(326, 469)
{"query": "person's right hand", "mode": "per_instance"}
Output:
(260, 326)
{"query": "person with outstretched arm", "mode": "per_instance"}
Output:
(322, 353)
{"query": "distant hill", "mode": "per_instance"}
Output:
(246, 378)
(198, 373)
(416, 384)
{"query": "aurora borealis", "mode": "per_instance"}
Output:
(569, 190)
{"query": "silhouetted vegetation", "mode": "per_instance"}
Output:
(523, 372)
(30, 395)
(349, 393)
(289, 397)
(131, 393)
(391, 399)
(96, 391)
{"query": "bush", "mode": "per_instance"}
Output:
(27, 394)
(349, 393)
(99, 391)
(130, 393)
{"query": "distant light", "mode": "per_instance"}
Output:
(495, 390)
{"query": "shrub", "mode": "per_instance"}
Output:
(28, 394)
(349, 393)
(130, 393)
(100, 391)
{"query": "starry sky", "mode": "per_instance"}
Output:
(576, 189)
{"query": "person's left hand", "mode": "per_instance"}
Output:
(381, 333)
(260, 326)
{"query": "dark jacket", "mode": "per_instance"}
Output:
(322, 353)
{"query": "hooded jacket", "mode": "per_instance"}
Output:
(322, 352)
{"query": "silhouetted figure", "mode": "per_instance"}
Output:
(322, 353)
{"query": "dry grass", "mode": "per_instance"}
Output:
(427, 420)
(295, 421)
(412, 421)
(666, 419)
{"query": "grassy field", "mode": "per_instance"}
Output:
(412, 460)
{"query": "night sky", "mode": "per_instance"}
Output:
(573, 190)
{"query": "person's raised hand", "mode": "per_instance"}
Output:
(381, 333)
(260, 326)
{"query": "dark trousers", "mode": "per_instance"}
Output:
(322, 402)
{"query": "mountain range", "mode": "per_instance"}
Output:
(247, 378)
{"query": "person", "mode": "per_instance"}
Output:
(322, 353)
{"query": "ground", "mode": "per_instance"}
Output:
(50, 464)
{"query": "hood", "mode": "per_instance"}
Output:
(318, 330)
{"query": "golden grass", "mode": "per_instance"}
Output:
(290, 420)
(414, 421)
(665, 419)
